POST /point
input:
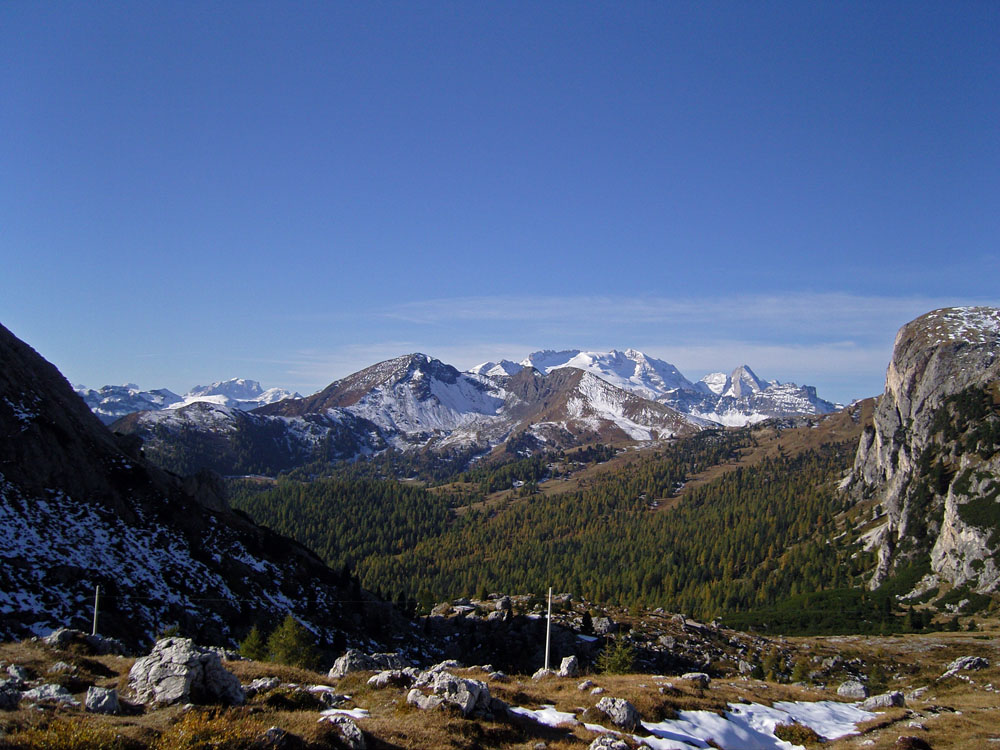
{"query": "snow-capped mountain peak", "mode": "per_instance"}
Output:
(240, 389)
(631, 369)
(499, 369)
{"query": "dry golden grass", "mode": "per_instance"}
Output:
(955, 713)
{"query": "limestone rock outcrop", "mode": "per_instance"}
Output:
(932, 449)
(178, 671)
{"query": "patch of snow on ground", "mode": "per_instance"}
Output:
(547, 715)
(743, 727)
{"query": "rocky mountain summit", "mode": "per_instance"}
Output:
(81, 508)
(931, 459)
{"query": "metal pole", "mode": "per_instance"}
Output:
(97, 596)
(548, 629)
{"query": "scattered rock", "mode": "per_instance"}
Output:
(50, 693)
(622, 713)
(542, 674)
(915, 694)
(277, 738)
(350, 733)
(668, 641)
(178, 671)
(891, 699)
(745, 667)
(357, 661)
(570, 667)
(9, 697)
(18, 673)
(96, 644)
(608, 742)
(261, 685)
(585, 685)
(597, 691)
(963, 663)
(394, 677)
(853, 689)
(421, 701)
(604, 626)
(102, 701)
(61, 667)
(698, 678)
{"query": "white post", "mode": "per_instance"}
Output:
(97, 595)
(548, 629)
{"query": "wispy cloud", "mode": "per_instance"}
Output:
(839, 342)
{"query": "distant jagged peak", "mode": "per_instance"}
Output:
(503, 368)
(744, 382)
(235, 388)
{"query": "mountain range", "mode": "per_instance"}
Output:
(111, 402)
(554, 399)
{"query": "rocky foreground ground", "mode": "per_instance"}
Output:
(917, 691)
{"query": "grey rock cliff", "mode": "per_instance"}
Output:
(917, 461)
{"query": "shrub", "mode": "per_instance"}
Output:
(797, 734)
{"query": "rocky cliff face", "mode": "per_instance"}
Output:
(931, 456)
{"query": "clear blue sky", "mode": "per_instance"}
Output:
(291, 191)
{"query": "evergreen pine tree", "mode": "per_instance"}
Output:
(292, 644)
(254, 646)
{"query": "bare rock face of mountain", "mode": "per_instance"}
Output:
(931, 456)
(80, 507)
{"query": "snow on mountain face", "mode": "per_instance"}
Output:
(716, 382)
(497, 369)
(238, 389)
(631, 369)
(114, 401)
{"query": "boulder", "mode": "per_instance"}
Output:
(358, 661)
(622, 713)
(852, 689)
(698, 678)
(50, 694)
(570, 667)
(542, 673)
(178, 671)
(471, 696)
(102, 701)
(350, 733)
(18, 673)
(891, 699)
(61, 667)
(585, 685)
(963, 663)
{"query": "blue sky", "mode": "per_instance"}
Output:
(292, 191)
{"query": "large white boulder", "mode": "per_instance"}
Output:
(178, 671)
